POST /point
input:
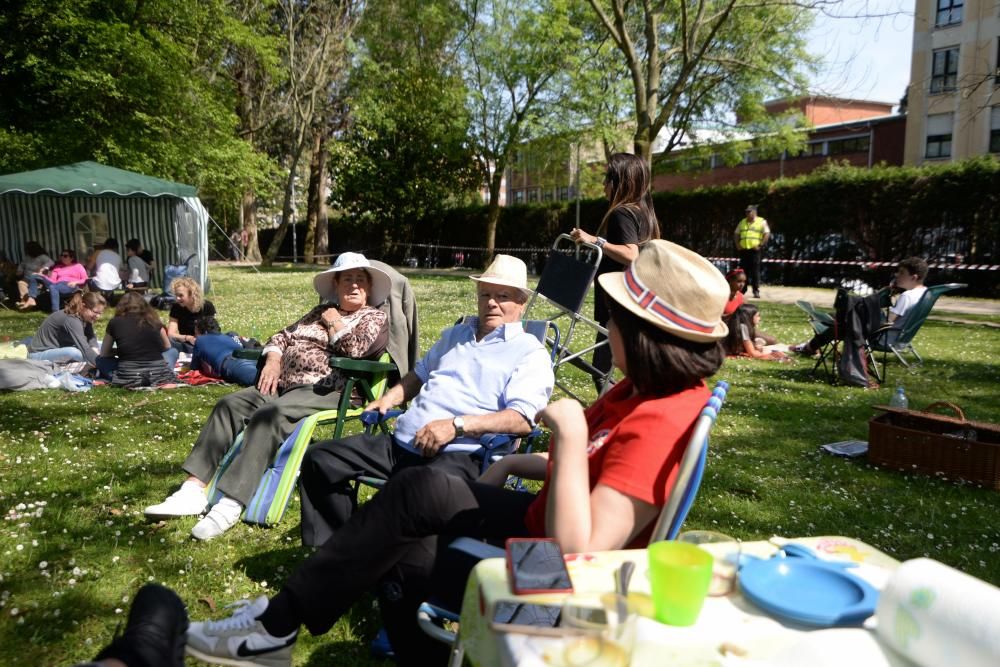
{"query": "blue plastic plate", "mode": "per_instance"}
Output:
(810, 592)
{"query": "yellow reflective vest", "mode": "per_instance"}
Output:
(751, 233)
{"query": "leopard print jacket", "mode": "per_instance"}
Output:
(306, 346)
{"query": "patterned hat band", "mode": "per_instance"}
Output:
(648, 301)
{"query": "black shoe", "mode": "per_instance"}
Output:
(155, 634)
(756, 294)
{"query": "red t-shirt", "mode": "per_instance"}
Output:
(636, 445)
(733, 304)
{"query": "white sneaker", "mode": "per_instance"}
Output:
(189, 500)
(223, 516)
(240, 640)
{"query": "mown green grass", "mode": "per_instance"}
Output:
(83, 466)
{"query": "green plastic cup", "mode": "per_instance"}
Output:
(679, 576)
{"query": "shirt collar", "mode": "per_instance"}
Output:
(506, 331)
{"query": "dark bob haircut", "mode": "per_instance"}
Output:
(659, 363)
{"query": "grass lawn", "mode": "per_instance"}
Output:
(76, 470)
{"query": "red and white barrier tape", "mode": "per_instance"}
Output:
(862, 264)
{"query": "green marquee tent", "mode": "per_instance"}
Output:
(79, 205)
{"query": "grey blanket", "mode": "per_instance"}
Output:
(22, 374)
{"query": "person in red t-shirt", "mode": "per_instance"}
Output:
(737, 279)
(608, 472)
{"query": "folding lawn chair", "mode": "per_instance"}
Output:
(432, 614)
(822, 323)
(899, 340)
(562, 288)
(270, 500)
(371, 378)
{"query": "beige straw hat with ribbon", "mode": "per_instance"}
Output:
(672, 288)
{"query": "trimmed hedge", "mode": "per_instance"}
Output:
(948, 213)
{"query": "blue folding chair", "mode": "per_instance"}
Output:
(432, 614)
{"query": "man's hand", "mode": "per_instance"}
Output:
(433, 436)
(267, 383)
(381, 406)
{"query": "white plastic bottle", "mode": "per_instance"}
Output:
(899, 399)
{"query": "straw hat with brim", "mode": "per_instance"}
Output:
(674, 289)
(506, 270)
(325, 282)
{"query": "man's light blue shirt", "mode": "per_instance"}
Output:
(507, 369)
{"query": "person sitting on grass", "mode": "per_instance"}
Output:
(295, 381)
(67, 335)
(908, 281)
(136, 351)
(213, 355)
(737, 279)
(609, 470)
(190, 304)
(136, 267)
(745, 340)
(106, 266)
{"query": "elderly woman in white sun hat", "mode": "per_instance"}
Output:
(294, 382)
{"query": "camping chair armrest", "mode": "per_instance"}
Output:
(374, 417)
(361, 365)
(881, 331)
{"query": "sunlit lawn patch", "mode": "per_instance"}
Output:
(76, 470)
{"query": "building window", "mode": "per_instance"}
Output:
(813, 149)
(533, 194)
(852, 145)
(949, 12)
(995, 129)
(939, 135)
(944, 70)
(564, 193)
(518, 196)
(996, 69)
(547, 196)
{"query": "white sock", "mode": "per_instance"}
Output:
(193, 487)
(229, 506)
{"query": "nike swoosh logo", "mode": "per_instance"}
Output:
(245, 651)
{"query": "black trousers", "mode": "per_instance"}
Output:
(750, 261)
(394, 540)
(329, 468)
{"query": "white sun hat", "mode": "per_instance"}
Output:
(325, 282)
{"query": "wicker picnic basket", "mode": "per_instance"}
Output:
(921, 441)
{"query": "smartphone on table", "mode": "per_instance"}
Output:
(536, 565)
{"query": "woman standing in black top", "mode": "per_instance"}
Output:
(629, 223)
(137, 337)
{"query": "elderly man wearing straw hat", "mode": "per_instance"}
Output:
(484, 375)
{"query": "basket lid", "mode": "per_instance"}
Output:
(960, 421)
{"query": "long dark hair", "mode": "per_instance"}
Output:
(133, 305)
(629, 180)
(742, 316)
(660, 363)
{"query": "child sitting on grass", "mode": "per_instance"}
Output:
(745, 340)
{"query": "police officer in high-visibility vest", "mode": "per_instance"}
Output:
(751, 236)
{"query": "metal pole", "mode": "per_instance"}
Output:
(577, 184)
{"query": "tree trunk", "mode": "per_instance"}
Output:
(317, 241)
(249, 214)
(322, 220)
(286, 210)
(493, 213)
(312, 213)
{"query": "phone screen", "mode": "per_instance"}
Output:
(538, 565)
(525, 613)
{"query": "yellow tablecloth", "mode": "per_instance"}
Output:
(727, 626)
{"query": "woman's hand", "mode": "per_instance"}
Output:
(563, 416)
(332, 319)
(581, 236)
(267, 383)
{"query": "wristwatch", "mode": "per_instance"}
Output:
(600, 241)
(459, 425)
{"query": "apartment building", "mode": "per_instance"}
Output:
(953, 99)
